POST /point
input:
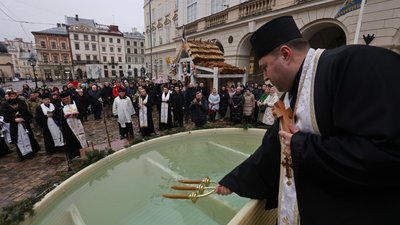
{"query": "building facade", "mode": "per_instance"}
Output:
(232, 27)
(112, 51)
(134, 52)
(53, 53)
(84, 41)
(6, 66)
(20, 52)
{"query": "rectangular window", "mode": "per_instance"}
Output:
(112, 59)
(119, 59)
(135, 51)
(55, 58)
(65, 59)
(118, 41)
(167, 8)
(111, 40)
(111, 49)
(87, 47)
(76, 37)
(76, 45)
(136, 59)
(141, 44)
(88, 57)
(191, 11)
(93, 38)
(217, 6)
(128, 43)
(94, 48)
(63, 45)
(103, 49)
(103, 39)
(141, 51)
(119, 49)
(160, 37)
(45, 59)
(86, 37)
(129, 59)
(104, 58)
(134, 43)
(128, 50)
(43, 44)
(53, 45)
(95, 57)
(142, 60)
(78, 57)
(167, 34)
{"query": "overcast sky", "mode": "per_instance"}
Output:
(44, 14)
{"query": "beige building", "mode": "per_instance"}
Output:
(20, 52)
(231, 28)
(6, 66)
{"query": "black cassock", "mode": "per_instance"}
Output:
(178, 103)
(9, 116)
(169, 123)
(72, 144)
(349, 174)
(41, 120)
(146, 131)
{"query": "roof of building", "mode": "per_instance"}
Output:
(134, 35)
(54, 30)
(76, 21)
(3, 48)
(208, 54)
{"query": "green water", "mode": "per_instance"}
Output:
(129, 190)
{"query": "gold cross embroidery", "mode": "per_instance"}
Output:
(286, 118)
(285, 220)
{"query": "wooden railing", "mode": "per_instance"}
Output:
(256, 7)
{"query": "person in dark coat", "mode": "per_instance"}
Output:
(108, 98)
(82, 102)
(146, 125)
(95, 101)
(178, 106)
(20, 129)
(338, 161)
(224, 102)
(71, 126)
(199, 108)
(165, 113)
(190, 94)
(237, 102)
(53, 139)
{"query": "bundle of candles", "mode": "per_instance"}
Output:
(201, 190)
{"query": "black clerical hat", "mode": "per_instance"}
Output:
(12, 101)
(64, 94)
(273, 34)
(46, 95)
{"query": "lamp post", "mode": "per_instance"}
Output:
(32, 60)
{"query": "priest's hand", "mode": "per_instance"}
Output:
(287, 136)
(19, 120)
(222, 190)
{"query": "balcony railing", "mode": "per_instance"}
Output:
(216, 19)
(83, 62)
(256, 7)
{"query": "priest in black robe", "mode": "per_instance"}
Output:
(146, 125)
(71, 126)
(178, 106)
(4, 149)
(20, 130)
(346, 161)
(53, 138)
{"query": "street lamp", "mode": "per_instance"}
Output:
(32, 60)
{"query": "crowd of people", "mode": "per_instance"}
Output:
(60, 113)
